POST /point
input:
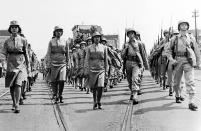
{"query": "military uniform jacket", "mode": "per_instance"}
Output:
(96, 64)
(57, 56)
(138, 49)
(16, 53)
(181, 48)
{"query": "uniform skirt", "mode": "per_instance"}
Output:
(96, 78)
(15, 77)
(58, 73)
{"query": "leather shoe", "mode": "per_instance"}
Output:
(192, 107)
(139, 92)
(131, 97)
(61, 100)
(178, 100)
(99, 106)
(95, 106)
(182, 98)
(135, 102)
(170, 93)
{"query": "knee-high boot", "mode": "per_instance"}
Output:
(99, 96)
(95, 98)
(55, 90)
(61, 88)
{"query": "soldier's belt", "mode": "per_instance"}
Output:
(9, 52)
(181, 54)
(132, 58)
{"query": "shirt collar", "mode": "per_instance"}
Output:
(13, 37)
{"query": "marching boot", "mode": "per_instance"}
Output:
(182, 98)
(17, 110)
(135, 102)
(139, 92)
(99, 106)
(61, 88)
(95, 106)
(192, 107)
(99, 95)
(131, 97)
(94, 97)
(61, 99)
(178, 100)
(56, 100)
(21, 101)
(170, 93)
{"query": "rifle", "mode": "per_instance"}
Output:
(124, 59)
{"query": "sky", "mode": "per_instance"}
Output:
(38, 17)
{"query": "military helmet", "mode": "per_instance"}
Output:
(182, 21)
(14, 23)
(130, 30)
(165, 31)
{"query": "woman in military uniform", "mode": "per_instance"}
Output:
(57, 58)
(15, 51)
(81, 55)
(96, 68)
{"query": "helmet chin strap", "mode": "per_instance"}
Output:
(183, 32)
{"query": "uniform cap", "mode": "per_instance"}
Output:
(73, 48)
(77, 45)
(96, 34)
(89, 38)
(104, 39)
(83, 42)
(14, 23)
(58, 28)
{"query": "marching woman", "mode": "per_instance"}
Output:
(57, 59)
(96, 68)
(16, 54)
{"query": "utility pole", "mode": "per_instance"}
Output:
(195, 14)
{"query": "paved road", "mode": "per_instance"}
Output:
(156, 112)
(37, 113)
